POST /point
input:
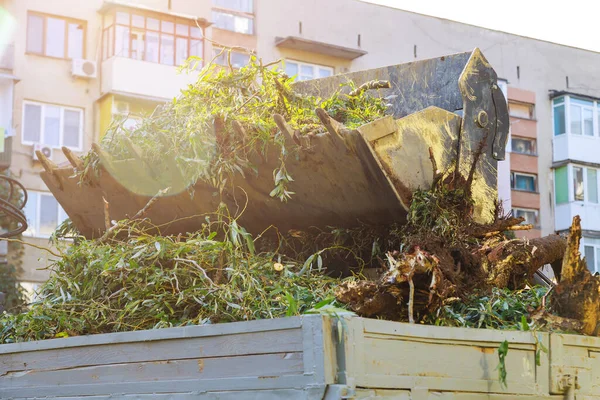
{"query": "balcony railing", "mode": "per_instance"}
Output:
(127, 76)
(7, 57)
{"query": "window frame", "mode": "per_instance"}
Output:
(109, 49)
(519, 103)
(531, 140)
(513, 180)
(61, 215)
(217, 54)
(68, 20)
(566, 102)
(536, 225)
(237, 13)
(313, 65)
(61, 125)
(596, 248)
(586, 197)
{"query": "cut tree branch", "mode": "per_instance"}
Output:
(370, 85)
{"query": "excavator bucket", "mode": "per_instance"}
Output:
(450, 105)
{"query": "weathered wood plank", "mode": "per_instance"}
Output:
(166, 387)
(309, 393)
(263, 365)
(275, 341)
(387, 394)
(391, 363)
(444, 333)
(158, 334)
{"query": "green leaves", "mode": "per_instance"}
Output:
(143, 281)
(499, 309)
(502, 352)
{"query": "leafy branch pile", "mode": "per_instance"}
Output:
(144, 281)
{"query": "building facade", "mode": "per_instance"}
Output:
(68, 68)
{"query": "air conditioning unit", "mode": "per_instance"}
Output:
(84, 68)
(120, 107)
(45, 150)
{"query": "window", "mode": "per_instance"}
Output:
(305, 71)
(582, 117)
(234, 15)
(238, 60)
(43, 214)
(591, 251)
(52, 36)
(521, 110)
(52, 125)
(525, 182)
(129, 122)
(585, 184)
(561, 185)
(154, 38)
(233, 23)
(559, 116)
(592, 185)
(578, 190)
(530, 215)
(523, 146)
(576, 116)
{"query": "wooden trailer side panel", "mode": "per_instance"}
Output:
(269, 359)
(575, 361)
(389, 355)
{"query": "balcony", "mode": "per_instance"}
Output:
(576, 128)
(576, 147)
(154, 81)
(589, 213)
(7, 57)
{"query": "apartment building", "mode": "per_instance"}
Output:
(576, 163)
(69, 67)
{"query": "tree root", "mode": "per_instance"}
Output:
(577, 296)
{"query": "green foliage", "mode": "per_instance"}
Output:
(144, 281)
(499, 309)
(196, 130)
(440, 211)
(502, 352)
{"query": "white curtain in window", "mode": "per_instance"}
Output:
(52, 125)
(32, 123)
(167, 49)
(48, 215)
(71, 128)
(35, 34)
(30, 211)
(55, 37)
(122, 41)
(75, 41)
(151, 47)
